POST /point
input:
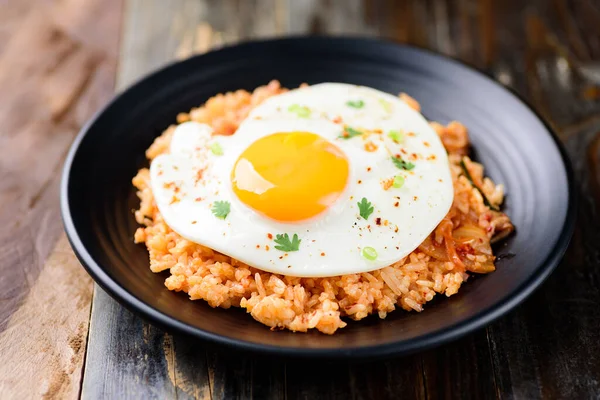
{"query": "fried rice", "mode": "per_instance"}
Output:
(459, 246)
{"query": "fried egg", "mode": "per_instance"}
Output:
(325, 180)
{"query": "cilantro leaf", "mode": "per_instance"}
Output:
(221, 209)
(355, 104)
(401, 164)
(349, 133)
(285, 244)
(365, 208)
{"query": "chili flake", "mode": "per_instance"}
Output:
(386, 184)
(370, 147)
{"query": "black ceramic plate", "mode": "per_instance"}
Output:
(515, 146)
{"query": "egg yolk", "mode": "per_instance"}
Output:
(290, 176)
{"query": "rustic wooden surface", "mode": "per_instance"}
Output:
(545, 50)
(57, 66)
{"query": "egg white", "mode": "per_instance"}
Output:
(331, 243)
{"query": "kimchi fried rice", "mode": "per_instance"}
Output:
(460, 245)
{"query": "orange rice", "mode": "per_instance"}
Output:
(459, 245)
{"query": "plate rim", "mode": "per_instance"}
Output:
(419, 343)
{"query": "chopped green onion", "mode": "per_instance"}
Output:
(355, 104)
(216, 149)
(369, 253)
(387, 106)
(300, 111)
(396, 136)
(398, 181)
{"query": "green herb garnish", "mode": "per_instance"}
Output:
(349, 133)
(300, 111)
(398, 181)
(216, 149)
(355, 104)
(396, 136)
(387, 106)
(369, 253)
(401, 164)
(470, 179)
(221, 209)
(285, 244)
(365, 208)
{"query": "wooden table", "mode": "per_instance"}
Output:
(63, 337)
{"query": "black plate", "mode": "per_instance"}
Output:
(517, 148)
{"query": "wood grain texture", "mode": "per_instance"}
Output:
(55, 70)
(136, 370)
(546, 348)
(43, 345)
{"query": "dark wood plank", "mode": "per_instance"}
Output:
(54, 72)
(328, 17)
(142, 369)
(545, 348)
(399, 378)
(189, 368)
